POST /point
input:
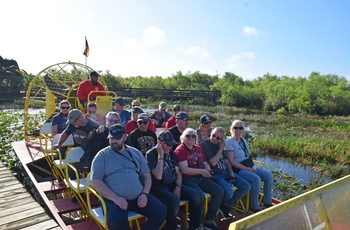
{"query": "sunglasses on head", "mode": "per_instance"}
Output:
(235, 128)
(142, 122)
(64, 107)
(214, 136)
(92, 111)
(112, 120)
(207, 122)
(190, 136)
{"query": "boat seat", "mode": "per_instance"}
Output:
(104, 104)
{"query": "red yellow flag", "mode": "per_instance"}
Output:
(87, 50)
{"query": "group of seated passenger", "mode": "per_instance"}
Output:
(135, 169)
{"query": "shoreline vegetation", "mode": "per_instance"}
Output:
(319, 141)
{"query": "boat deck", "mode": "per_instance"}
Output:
(18, 209)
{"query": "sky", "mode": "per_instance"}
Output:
(249, 38)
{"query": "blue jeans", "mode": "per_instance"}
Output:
(231, 197)
(202, 184)
(117, 218)
(255, 181)
(165, 194)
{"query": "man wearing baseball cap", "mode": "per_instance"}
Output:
(79, 126)
(167, 182)
(90, 85)
(142, 138)
(119, 108)
(121, 175)
(181, 124)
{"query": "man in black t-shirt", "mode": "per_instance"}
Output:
(142, 138)
(181, 124)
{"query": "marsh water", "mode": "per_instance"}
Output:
(304, 173)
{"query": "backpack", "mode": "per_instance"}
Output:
(91, 146)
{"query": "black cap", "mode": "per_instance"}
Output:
(142, 117)
(137, 109)
(176, 107)
(120, 101)
(167, 137)
(182, 116)
(94, 74)
(116, 131)
(204, 118)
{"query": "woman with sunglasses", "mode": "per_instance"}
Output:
(204, 130)
(237, 152)
(197, 174)
(60, 119)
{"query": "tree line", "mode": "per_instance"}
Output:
(316, 94)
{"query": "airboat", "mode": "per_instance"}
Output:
(323, 208)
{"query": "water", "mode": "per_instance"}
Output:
(304, 173)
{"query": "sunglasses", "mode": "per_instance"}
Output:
(64, 107)
(114, 121)
(75, 120)
(92, 111)
(235, 128)
(207, 122)
(218, 138)
(190, 136)
(142, 122)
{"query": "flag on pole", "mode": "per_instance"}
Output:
(87, 50)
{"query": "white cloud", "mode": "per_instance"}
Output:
(152, 36)
(195, 51)
(241, 60)
(132, 43)
(250, 31)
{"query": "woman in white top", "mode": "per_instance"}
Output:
(237, 152)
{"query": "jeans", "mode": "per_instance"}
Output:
(117, 218)
(165, 194)
(255, 180)
(231, 197)
(203, 184)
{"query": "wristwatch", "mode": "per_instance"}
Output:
(178, 185)
(144, 193)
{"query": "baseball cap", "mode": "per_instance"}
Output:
(137, 109)
(94, 74)
(120, 100)
(176, 107)
(116, 131)
(73, 115)
(182, 116)
(142, 117)
(167, 137)
(204, 118)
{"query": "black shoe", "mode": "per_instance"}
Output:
(210, 225)
(252, 211)
(268, 205)
(74, 199)
(225, 212)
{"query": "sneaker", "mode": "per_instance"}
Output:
(268, 205)
(252, 211)
(210, 225)
(225, 212)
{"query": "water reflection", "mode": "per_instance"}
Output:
(304, 173)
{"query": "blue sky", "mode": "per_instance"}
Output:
(159, 37)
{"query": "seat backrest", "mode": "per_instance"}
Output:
(46, 128)
(68, 142)
(74, 155)
(104, 104)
